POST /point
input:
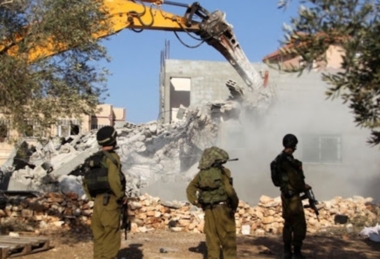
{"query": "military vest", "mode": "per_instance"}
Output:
(278, 175)
(211, 185)
(96, 173)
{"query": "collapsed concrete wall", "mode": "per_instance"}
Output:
(153, 155)
(148, 152)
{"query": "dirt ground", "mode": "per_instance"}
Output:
(179, 245)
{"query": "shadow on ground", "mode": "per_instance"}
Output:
(315, 247)
(70, 234)
(133, 251)
(77, 232)
(200, 249)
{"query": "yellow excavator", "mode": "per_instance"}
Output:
(209, 27)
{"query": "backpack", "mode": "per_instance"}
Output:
(211, 186)
(279, 177)
(96, 173)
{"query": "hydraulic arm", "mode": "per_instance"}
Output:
(209, 27)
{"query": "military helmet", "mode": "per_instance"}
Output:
(211, 155)
(289, 141)
(106, 136)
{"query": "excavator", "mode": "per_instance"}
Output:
(197, 22)
(138, 15)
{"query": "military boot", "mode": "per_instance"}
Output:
(287, 252)
(297, 253)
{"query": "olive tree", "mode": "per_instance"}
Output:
(48, 57)
(355, 26)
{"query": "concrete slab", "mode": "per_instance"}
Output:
(15, 185)
(64, 167)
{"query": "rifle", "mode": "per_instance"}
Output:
(309, 194)
(218, 163)
(125, 222)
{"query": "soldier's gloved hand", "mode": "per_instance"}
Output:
(307, 187)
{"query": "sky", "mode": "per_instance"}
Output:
(135, 65)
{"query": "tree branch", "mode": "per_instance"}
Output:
(6, 2)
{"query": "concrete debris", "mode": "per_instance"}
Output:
(373, 233)
(147, 213)
(236, 91)
(150, 153)
(8, 164)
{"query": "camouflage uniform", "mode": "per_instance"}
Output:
(294, 231)
(220, 227)
(105, 222)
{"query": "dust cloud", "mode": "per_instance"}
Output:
(336, 158)
(257, 139)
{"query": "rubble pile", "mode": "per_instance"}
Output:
(266, 216)
(46, 211)
(259, 220)
(148, 152)
(152, 150)
(148, 213)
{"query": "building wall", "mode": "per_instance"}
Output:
(119, 117)
(104, 116)
(207, 82)
(120, 114)
(334, 56)
(337, 160)
(333, 59)
(291, 62)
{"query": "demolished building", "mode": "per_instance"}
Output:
(160, 156)
(152, 154)
(334, 151)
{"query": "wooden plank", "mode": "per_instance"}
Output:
(3, 252)
(40, 246)
(10, 241)
(27, 239)
(20, 239)
(13, 245)
(17, 246)
(7, 252)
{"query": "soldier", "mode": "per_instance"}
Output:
(104, 183)
(292, 185)
(211, 189)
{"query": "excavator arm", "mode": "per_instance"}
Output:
(210, 27)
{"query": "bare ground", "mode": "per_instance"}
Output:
(180, 245)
